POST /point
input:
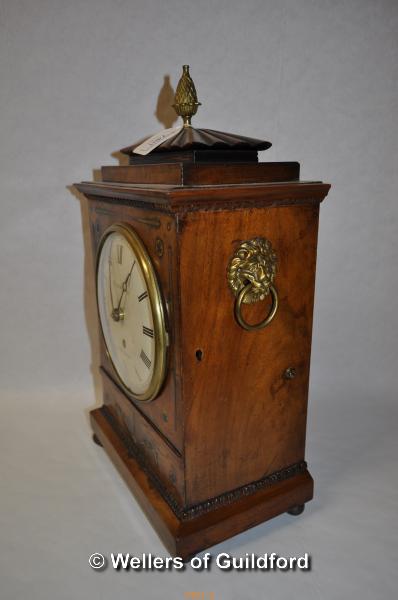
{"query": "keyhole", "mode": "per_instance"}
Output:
(199, 355)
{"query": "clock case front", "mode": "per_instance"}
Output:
(222, 447)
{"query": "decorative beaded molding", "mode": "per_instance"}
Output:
(204, 507)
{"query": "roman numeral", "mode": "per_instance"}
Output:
(145, 359)
(119, 253)
(142, 296)
(147, 331)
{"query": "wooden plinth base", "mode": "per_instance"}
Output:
(187, 537)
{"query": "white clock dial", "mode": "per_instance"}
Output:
(131, 312)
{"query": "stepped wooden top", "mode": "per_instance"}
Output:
(176, 199)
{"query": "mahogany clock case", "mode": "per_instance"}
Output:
(222, 448)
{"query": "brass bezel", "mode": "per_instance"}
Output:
(157, 306)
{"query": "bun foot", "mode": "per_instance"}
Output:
(96, 440)
(296, 510)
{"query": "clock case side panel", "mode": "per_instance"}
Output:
(158, 233)
(243, 420)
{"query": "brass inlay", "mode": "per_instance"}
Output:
(251, 272)
(186, 100)
(159, 247)
(155, 223)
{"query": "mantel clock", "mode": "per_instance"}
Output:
(205, 269)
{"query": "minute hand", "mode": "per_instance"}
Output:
(124, 287)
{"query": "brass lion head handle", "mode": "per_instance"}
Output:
(251, 272)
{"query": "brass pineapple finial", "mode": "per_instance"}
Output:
(186, 100)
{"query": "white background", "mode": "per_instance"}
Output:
(79, 80)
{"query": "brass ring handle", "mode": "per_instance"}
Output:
(238, 303)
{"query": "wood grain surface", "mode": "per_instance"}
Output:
(243, 419)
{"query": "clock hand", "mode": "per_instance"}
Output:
(110, 286)
(125, 284)
(117, 313)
